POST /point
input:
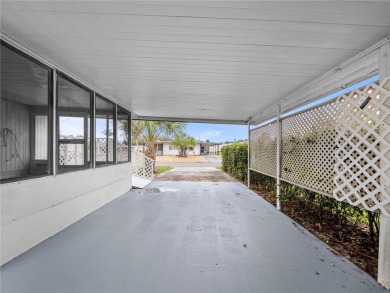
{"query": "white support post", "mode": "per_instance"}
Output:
(384, 233)
(93, 130)
(54, 154)
(278, 158)
(249, 155)
(384, 252)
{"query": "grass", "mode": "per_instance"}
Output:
(162, 169)
(218, 167)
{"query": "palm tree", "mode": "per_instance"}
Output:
(184, 143)
(150, 131)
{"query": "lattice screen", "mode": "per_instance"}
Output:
(141, 165)
(263, 149)
(71, 154)
(308, 141)
(363, 148)
(341, 149)
(102, 152)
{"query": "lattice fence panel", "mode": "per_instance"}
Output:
(104, 149)
(71, 154)
(363, 148)
(263, 149)
(341, 149)
(141, 165)
(122, 152)
(308, 141)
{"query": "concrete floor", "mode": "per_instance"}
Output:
(185, 237)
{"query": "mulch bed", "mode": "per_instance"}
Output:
(346, 239)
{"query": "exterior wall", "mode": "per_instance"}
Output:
(167, 152)
(34, 210)
(196, 150)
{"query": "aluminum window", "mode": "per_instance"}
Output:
(104, 131)
(25, 100)
(73, 133)
(123, 151)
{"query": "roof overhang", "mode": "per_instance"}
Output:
(214, 62)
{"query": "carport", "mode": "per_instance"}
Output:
(247, 63)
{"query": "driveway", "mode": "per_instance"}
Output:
(197, 174)
(211, 161)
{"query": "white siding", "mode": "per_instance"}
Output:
(34, 210)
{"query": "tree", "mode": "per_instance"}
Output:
(183, 142)
(150, 131)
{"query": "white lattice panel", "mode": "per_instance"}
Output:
(122, 152)
(308, 148)
(263, 149)
(71, 154)
(363, 148)
(141, 165)
(102, 147)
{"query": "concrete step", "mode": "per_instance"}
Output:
(139, 182)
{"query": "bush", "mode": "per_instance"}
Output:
(235, 160)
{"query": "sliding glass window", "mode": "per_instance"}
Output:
(24, 122)
(73, 126)
(122, 138)
(104, 131)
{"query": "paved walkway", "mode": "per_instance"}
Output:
(185, 237)
(212, 161)
(197, 174)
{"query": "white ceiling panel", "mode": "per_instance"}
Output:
(196, 60)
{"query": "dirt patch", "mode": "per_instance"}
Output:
(176, 159)
(196, 174)
(347, 238)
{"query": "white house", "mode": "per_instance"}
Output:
(165, 148)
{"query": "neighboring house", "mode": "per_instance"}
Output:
(165, 148)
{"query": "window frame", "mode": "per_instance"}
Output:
(106, 163)
(49, 113)
(73, 112)
(122, 110)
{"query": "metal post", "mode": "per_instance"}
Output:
(54, 152)
(384, 233)
(249, 155)
(93, 131)
(114, 137)
(129, 136)
(278, 158)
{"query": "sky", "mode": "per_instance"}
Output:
(217, 132)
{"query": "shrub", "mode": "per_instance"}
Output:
(235, 160)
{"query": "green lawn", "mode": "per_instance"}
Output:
(162, 169)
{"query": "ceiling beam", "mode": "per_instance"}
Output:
(189, 120)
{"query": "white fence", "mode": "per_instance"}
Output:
(142, 166)
(73, 154)
(341, 149)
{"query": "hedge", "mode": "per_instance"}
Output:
(235, 160)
